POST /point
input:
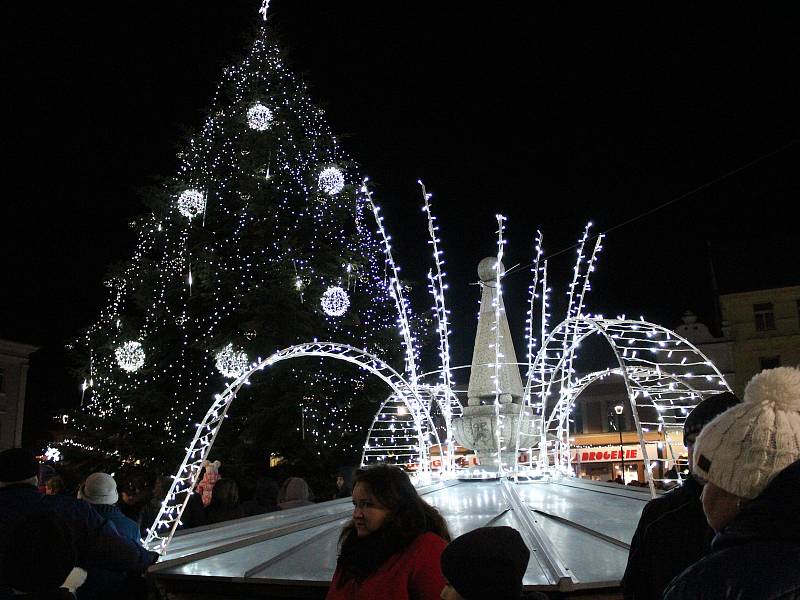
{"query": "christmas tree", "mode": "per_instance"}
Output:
(262, 240)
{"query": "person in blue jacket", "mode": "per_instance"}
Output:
(97, 541)
(100, 490)
(749, 458)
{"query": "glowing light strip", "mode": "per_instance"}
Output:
(437, 291)
(437, 286)
(529, 321)
(568, 349)
(396, 291)
(541, 359)
(498, 355)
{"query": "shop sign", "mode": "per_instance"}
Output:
(611, 453)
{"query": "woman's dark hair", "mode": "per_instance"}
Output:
(409, 517)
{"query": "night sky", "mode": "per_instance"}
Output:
(550, 117)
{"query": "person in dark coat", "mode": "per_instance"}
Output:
(42, 565)
(265, 499)
(672, 532)
(150, 510)
(97, 542)
(100, 490)
(224, 504)
(749, 458)
(344, 483)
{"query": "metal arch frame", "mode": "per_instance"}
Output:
(166, 522)
(634, 373)
(450, 408)
(568, 327)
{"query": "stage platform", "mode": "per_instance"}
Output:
(578, 532)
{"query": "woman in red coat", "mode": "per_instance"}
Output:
(391, 548)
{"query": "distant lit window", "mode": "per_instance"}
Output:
(770, 362)
(764, 316)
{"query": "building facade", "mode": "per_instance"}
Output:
(764, 327)
(13, 380)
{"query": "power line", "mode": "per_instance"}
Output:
(683, 196)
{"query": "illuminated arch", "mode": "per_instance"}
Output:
(391, 436)
(163, 528)
(659, 368)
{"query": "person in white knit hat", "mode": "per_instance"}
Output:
(749, 458)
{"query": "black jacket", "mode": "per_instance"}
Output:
(97, 541)
(757, 555)
(672, 534)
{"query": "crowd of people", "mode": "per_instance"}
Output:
(88, 541)
(730, 531)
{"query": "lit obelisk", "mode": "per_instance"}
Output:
(478, 428)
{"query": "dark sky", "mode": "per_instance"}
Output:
(551, 117)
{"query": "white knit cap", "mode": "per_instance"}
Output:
(746, 446)
(99, 488)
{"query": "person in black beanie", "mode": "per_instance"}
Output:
(672, 533)
(485, 563)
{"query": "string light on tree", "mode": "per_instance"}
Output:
(191, 203)
(335, 301)
(331, 181)
(243, 254)
(231, 362)
(259, 117)
(130, 356)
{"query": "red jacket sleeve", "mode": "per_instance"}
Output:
(426, 580)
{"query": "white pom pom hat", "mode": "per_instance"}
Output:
(745, 447)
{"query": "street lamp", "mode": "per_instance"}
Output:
(618, 409)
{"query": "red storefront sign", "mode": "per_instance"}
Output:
(605, 455)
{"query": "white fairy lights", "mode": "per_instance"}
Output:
(396, 292)
(497, 304)
(226, 262)
(52, 454)
(231, 362)
(436, 286)
(130, 356)
(259, 117)
(335, 301)
(191, 203)
(423, 432)
(331, 181)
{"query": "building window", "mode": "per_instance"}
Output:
(764, 316)
(770, 362)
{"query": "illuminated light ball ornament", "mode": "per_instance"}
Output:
(130, 356)
(191, 203)
(259, 117)
(331, 181)
(335, 301)
(52, 454)
(231, 362)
